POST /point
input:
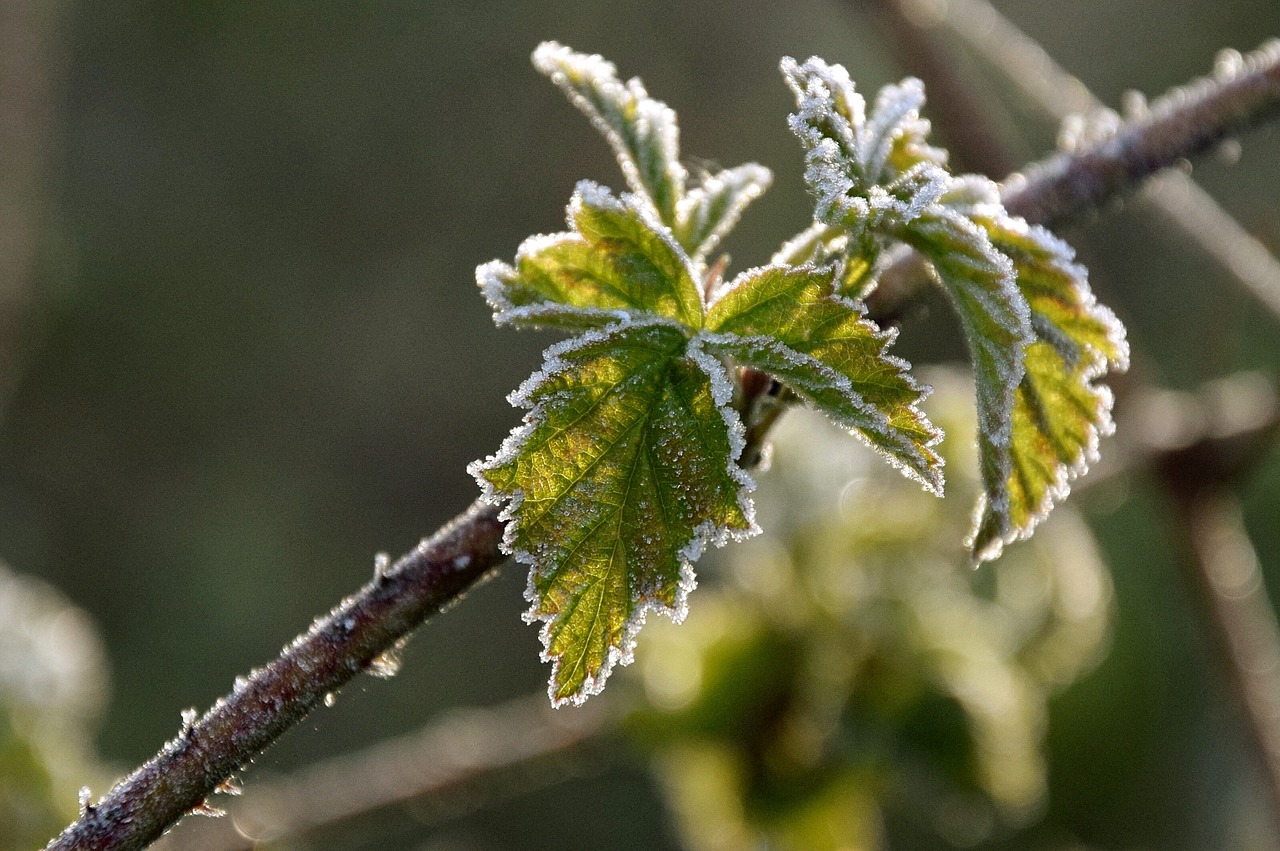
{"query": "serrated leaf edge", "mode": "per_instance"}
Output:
(1096, 365)
(754, 180)
(934, 485)
(546, 59)
(706, 533)
(490, 276)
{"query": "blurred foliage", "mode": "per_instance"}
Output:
(52, 684)
(852, 661)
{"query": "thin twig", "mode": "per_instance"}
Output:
(1061, 95)
(274, 698)
(449, 755)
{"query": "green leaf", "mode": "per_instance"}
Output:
(981, 285)
(867, 173)
(789, 323)
(625, 469)
(618, 263)
(1059, 410)
(710, 211)
(641, 130)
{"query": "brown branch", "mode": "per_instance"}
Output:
(959, 115)
(272, 699)
(1222, 570)
(336, 648)
(1183, 124)
(453, 754)
(1059, 94)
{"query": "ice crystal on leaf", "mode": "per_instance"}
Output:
(627, 463)
(643, 135)
(1037, 338)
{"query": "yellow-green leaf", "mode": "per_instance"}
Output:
(625, 469)
(641, 130)
(789, 323)
(710, 210)
(981, 285)
(618, 263)
(1059, 408)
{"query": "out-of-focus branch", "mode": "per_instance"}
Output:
(958, 113)
(1062, 96)
(27, 35)
(1222, 566)
(209, 749)
(1230, 420)
(1222, 569)
(453, 754)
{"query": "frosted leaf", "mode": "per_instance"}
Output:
(828, 107)
(894, 135)
(625, 468)
(1059, 410)
(876, 179)
(816, 244)
(618, 263)
(641, 130)
(789, 323)
(849, 156)
(982, 287)
(710, 211)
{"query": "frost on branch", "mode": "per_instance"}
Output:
(1037, 339)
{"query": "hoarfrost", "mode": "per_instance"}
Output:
(641, 131)
(707, 213)
(387, 663)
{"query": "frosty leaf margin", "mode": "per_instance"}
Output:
(642, 402)
(1038, 340)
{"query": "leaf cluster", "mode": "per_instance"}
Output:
(630, 460)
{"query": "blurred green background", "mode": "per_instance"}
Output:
(245, 352)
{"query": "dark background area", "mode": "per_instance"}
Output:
(253, 354)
